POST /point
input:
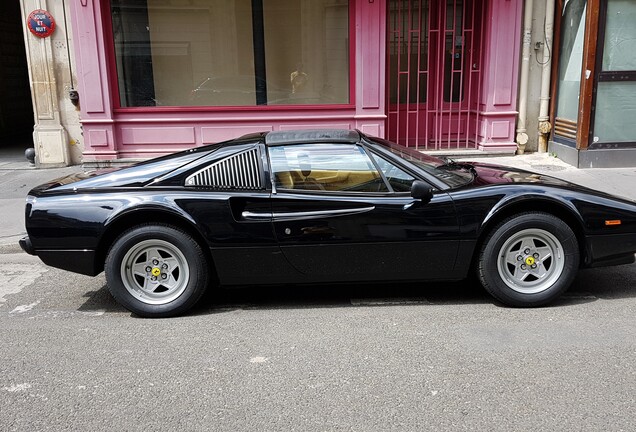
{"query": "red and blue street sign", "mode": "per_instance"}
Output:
(41, 23)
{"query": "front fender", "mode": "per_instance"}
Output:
(530, 202)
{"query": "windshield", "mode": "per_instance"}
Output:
(451, 173)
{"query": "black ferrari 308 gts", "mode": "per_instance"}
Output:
(301, 207)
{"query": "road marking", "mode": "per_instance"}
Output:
(15, 277)
(25, 308)
(55, 314)
(95, 313)
(258, 359)
(17, 387)
(389, 301)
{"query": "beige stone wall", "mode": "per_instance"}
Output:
(57, 133)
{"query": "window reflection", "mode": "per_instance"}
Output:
(203, 52)
(615, 108)
(571, 59)
(325, 167)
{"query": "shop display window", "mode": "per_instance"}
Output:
(615, 107)
(224, 53)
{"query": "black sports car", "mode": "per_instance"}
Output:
(322, 206)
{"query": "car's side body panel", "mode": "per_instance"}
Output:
(367, 237)
(74, 227)
(603, 244)
(270, 236)
(244, 250)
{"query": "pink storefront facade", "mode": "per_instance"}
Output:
(435, 75)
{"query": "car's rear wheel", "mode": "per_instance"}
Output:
(156, 270)
(529, 259)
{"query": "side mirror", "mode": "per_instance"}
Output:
(421, 191)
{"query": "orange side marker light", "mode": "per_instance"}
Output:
(613, 222)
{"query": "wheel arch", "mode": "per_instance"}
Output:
(146, 216)
(563, 211)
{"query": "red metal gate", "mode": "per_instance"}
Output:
(434, 72)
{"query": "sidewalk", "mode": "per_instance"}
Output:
(17, 178)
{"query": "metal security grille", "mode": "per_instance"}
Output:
(434, 72)
(240, 171)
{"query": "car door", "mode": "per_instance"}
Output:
(234, 183)
(342, 213)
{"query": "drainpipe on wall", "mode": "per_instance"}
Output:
(522, 136)
(544, 118)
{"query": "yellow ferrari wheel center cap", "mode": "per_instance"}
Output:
(156, 271)
(529, 260)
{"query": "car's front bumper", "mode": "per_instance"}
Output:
(612, 249)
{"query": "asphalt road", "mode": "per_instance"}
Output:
(363, 358)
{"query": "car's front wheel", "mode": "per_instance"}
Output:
(156, 270)
(529, 259)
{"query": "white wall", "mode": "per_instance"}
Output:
(534, 79)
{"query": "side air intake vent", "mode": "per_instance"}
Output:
(240, 171)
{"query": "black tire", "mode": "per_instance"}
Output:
(528, 260)
(156, 271)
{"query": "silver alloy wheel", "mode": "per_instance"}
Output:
(531, 261)
(155, 272)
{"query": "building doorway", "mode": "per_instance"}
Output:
(16, 106)
(434, 58)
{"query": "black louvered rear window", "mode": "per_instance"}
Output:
(239, 171)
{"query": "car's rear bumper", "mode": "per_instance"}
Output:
(79, 261)
(25, 244)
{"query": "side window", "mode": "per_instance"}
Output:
(399, 180)
(325, 167)
(240, 171)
